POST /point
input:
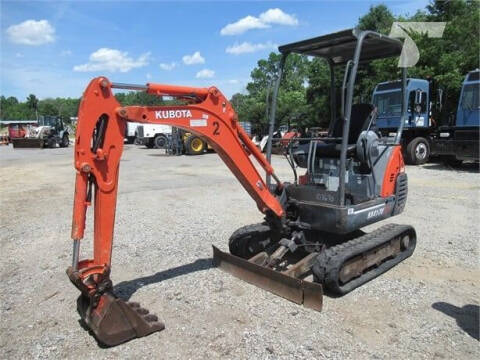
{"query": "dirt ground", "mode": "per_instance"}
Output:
(170, 210)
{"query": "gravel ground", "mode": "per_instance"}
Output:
(170, 209)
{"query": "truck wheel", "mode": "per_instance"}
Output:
(160, 142)
(418, 151)
(65, 141)
(194, 145)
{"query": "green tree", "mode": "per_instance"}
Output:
(379, 18)
(48, 107)
(10, 101)
(292, 108)
(32, 103)
(139, 98)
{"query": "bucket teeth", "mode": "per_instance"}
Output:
(141, 311)
(145, 313)
(151, 318)
(115, 321)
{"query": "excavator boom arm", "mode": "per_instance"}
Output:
(99, 145)
(98, 149)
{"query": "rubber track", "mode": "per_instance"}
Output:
(329, 263)
(238, 242)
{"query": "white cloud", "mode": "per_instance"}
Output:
(277, 16)
(148, 76)
(263, 21)
(196, 58)
(112, 60)
(247, 47)
(19, 55)
(244, 24)
(31, 32)
(65, 53)
(205, 74)
(168, 66)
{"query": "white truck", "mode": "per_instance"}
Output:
(131, 132)
(153, 135)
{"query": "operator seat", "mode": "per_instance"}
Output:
(361, 118)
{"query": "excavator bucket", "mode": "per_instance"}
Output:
(28, 143)
(114, 321)
(299, 291)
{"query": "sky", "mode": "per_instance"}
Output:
(54, 48)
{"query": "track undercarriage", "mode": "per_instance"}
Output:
(298, 269)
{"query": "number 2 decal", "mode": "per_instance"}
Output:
(216, 126)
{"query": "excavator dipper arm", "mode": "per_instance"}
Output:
(98, 149)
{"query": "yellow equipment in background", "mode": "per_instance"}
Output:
(193, 145)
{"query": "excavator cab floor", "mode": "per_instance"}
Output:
(115, 321)
(299, 291)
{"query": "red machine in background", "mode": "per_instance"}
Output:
(18, 128)
(280, 140)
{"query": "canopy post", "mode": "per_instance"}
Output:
(333, 100)
(398, 137)
(272, 114)
(346, 119)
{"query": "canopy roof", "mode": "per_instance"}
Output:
(339, 47)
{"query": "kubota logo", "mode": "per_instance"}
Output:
(170, 114)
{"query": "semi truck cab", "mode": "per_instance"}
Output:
(458, 141)
(468, 112)
(387, 97)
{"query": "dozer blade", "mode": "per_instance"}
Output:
(299, 291)
(28, 143)
(115, 321)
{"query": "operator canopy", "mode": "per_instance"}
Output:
(340, 47)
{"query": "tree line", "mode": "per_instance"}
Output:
(13, 109)
(303, 99)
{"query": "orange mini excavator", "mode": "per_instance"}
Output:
(310, 239)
